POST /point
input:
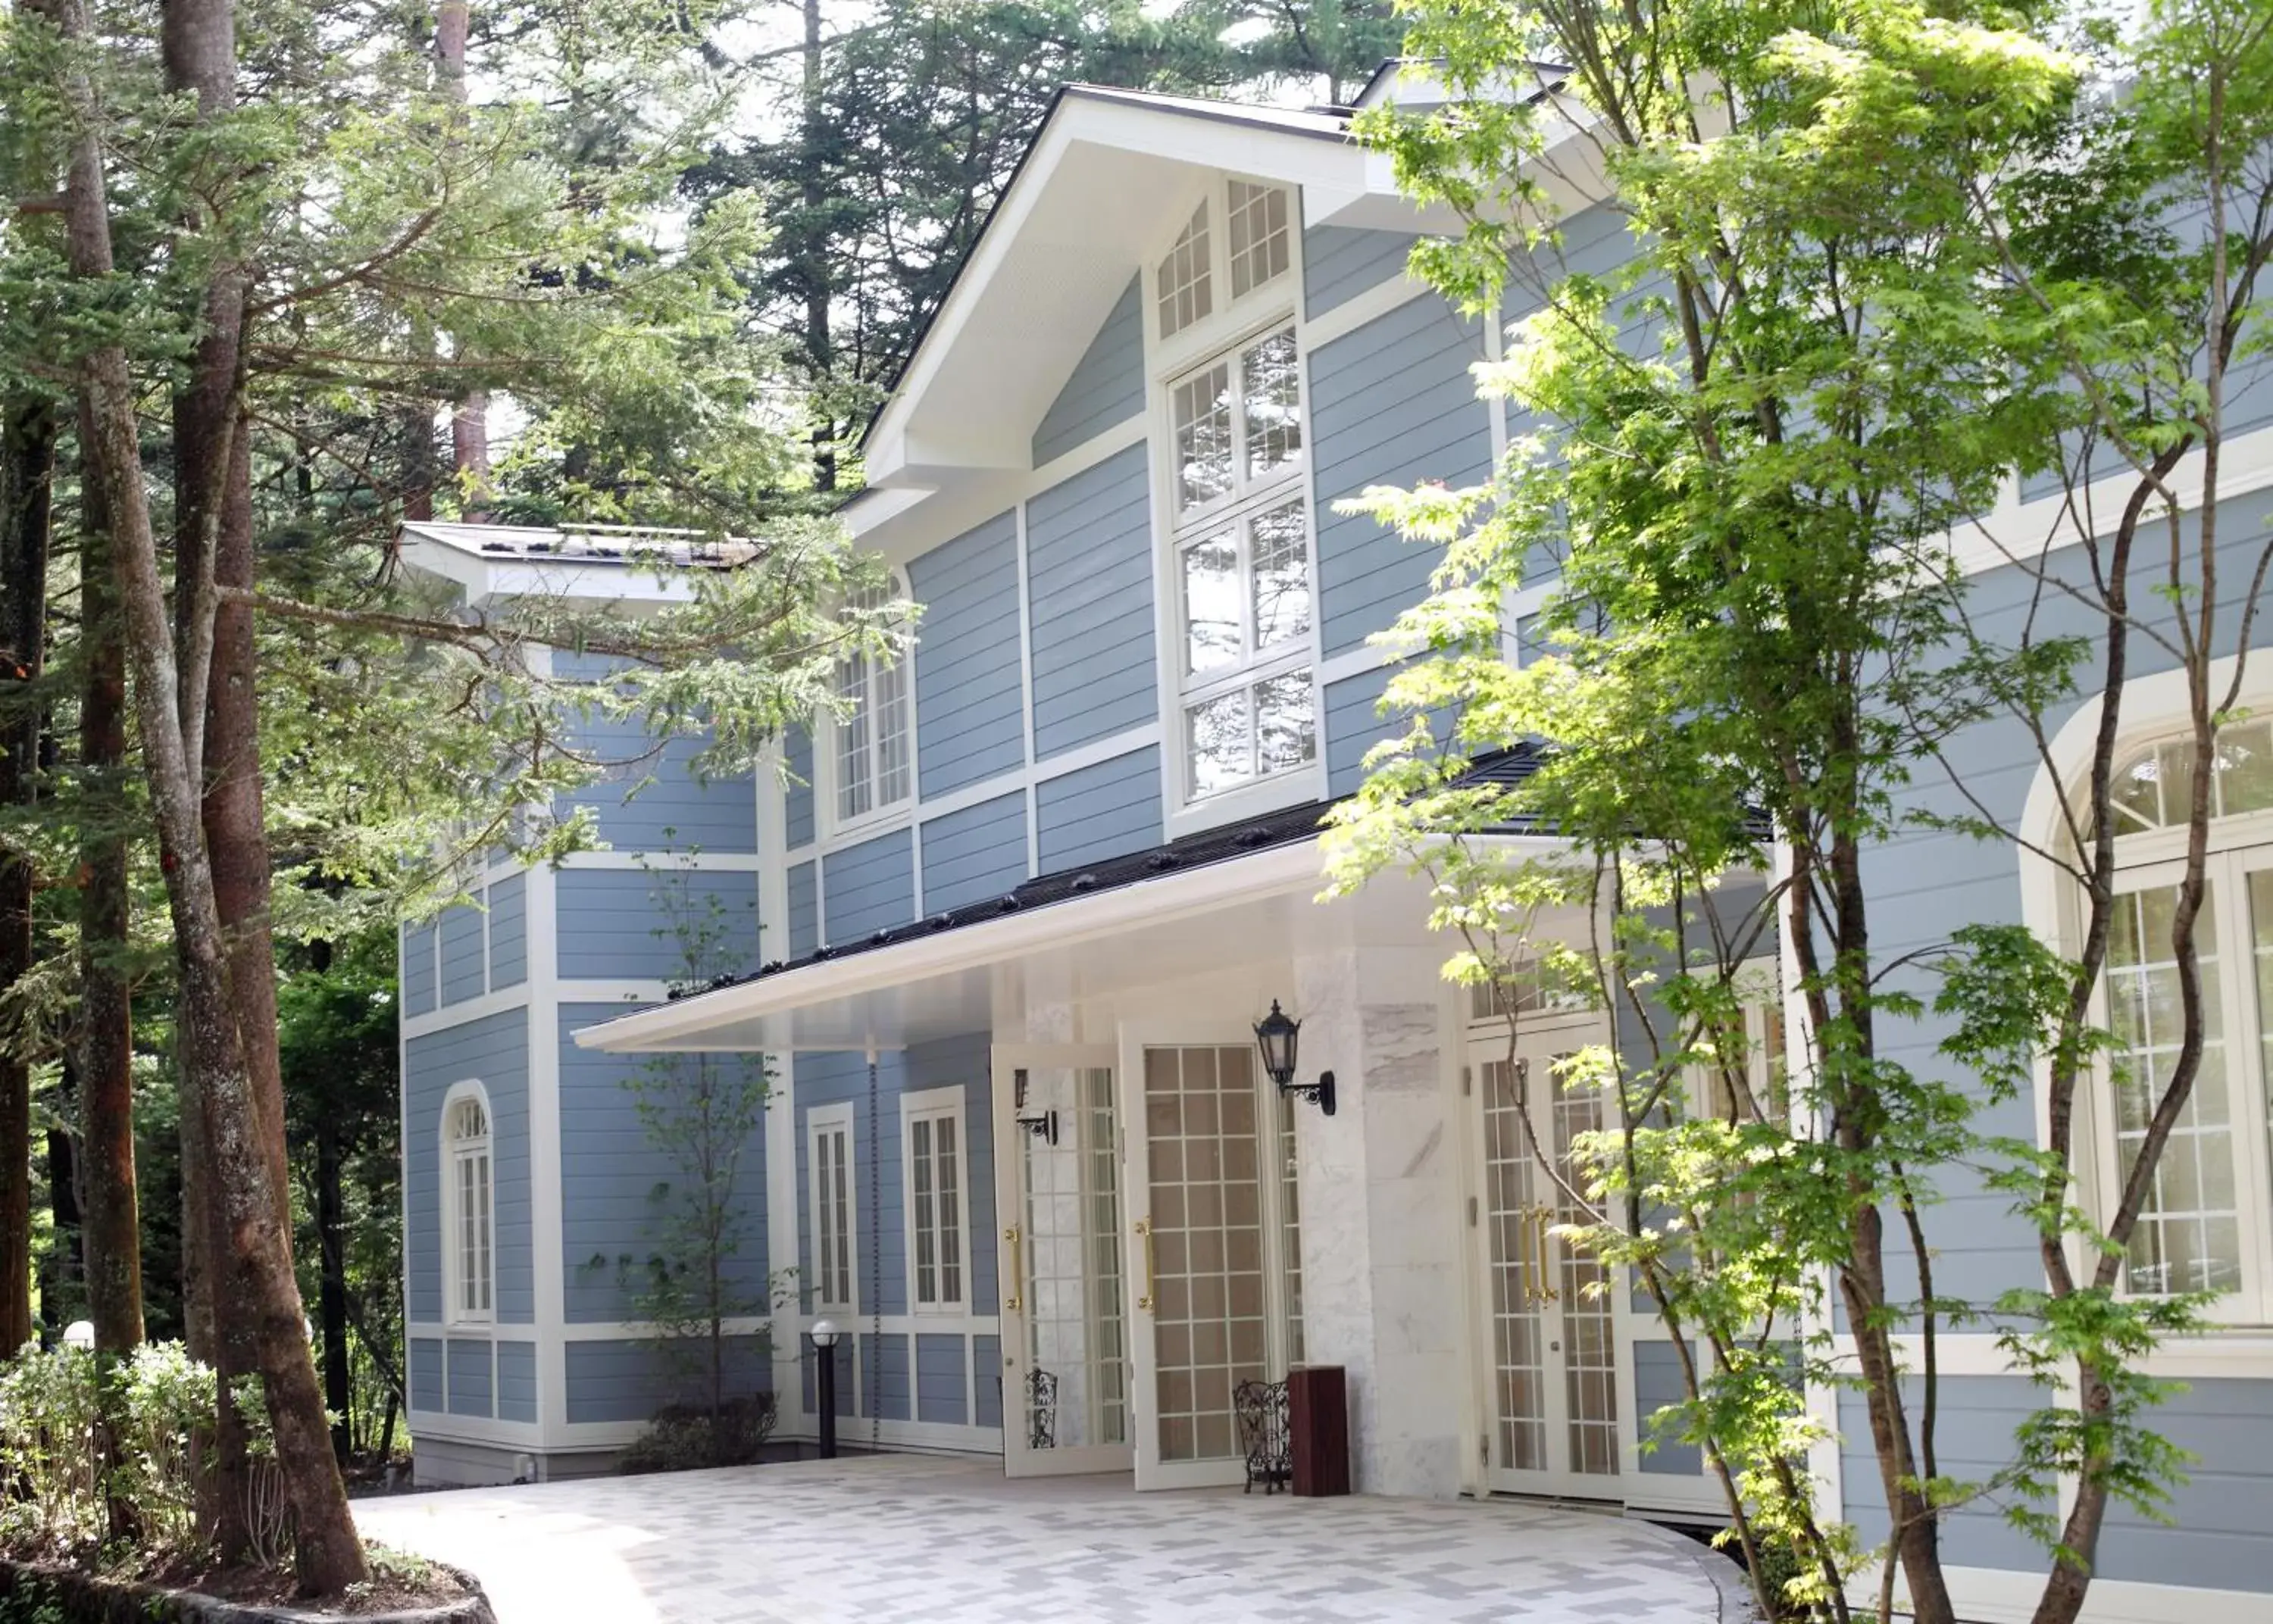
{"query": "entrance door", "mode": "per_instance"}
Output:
(1065, 1339)
(1551, 1344)
(1211, 1245)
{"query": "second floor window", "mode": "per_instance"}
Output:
(1243, 541)
(872, 738)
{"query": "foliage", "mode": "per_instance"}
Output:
(50, 1451)
(1874, 257)
(691, 1437)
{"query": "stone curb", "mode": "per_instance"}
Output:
(90, 1599)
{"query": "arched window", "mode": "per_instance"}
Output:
(2206, 1224)
(470, 1205)
(872, 738)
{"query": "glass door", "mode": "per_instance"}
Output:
(1065, 1358)
(1550, 1345)
(1211, 1245)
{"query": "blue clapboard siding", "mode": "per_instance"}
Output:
(647, 798)
(969, 712)
(631, 1381)
(870, 886)
(494, 1051)
(2223, 1511)
(468, 1375)
(509, 932)
(1393, 404)
(986, 1354)
(973, 854)
(462, 953)
(1974, 1439)
(1099, 812)
(1107, 385)
(797, 753)
(1339, 262)
(609, 1174)
(884, 1385)
(1089, 577)
(804, 909)
(417, 968)
(1657, 1383)
(516, 1382)
(625, 925)
(940, 1393)
(426, 1372)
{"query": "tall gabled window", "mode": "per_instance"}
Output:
(933, 1125)
(872, 738)
(469, 1217)
(830, 1179)
(1243, 542)
(1184, 278)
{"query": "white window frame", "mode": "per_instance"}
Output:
(933, 1106)
(833, 744)
(455, 1150)
(1233, 327)
(822, 1120)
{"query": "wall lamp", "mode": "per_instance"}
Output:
(1276, 1035)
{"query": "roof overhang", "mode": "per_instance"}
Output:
(496, 563)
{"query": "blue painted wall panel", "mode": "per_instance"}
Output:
(869, 888)
(624, 925)
(509, 931)
(1657, 1383)
(647, 798)
(970, 854)
(609, 1173)
(418, 969)
(1107, 385)
(426, 1391)
(1089, 577)
(516, 1381)
(986, 1354)
(493, 1050)
(1099, 812)
(941, 1394)
(796, 752)
(468, 1375)
(804, 909)
(884, 1378)
(970, 710)
(1392, 403)
(631, 1381)
(461, 931)
(1340, 262)
(2224, 1512)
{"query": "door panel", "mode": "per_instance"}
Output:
(1065, 1366)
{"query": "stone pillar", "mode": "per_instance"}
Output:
(1380, 1186)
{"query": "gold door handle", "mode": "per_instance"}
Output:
(1151, 1268)
(1014, 1302)
(1547, 1292)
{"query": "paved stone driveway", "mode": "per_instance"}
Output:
(945, 1542)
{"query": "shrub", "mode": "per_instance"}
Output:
(687, 1437)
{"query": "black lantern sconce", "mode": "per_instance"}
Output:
(1276, 1035)
(1042, 1124)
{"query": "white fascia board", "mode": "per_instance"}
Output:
(485, 580)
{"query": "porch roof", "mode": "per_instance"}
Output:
(1174, 909)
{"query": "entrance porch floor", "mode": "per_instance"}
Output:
(891, 1537)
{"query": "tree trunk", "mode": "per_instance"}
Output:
(331, 1302)
(819, 348)
(469, 422)
(255, 1273)
(27, 451)
(110, 1202)
(57, 1300)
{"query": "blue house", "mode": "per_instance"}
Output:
(1011, 928)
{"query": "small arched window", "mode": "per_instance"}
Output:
(2207, 1224)
(470, 1205)
(872, 738)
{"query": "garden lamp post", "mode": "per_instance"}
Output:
(824, 1335)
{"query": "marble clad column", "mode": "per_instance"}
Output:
(1380, 1190)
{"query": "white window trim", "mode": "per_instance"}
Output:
(831, 825)
(453, 1263)
(1230, 328)
(935, 1104)
(820, 1119)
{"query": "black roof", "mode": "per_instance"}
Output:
(1223, 844)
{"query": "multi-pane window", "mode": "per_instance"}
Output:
(1259, 248)
(471, 1216)
(1184, 279)
(871, 735)
(2206, 1223)
(935, 1206)
(1243, 539)
(829, 1177)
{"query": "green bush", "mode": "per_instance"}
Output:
(687, 1437)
